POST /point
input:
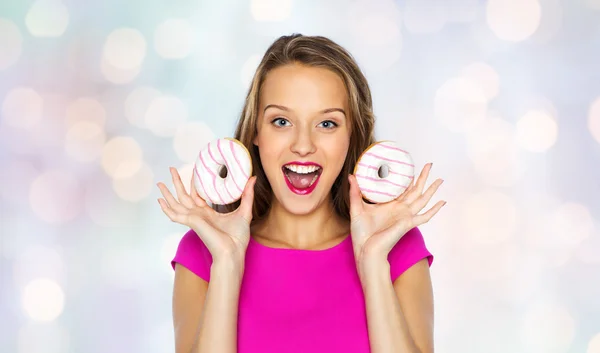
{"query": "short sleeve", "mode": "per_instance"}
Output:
(193, 255)
(409, 250)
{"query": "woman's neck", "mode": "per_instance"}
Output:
(321, 228)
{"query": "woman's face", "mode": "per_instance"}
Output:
(303, 134)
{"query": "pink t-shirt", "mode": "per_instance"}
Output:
(301, 300)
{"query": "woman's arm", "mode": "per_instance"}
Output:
(205, 314)
(399, 314)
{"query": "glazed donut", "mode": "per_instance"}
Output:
(221, 171)
(383, 171)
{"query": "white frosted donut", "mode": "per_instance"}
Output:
(228, 153)
(400, 172)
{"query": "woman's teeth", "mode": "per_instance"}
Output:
(302, 169)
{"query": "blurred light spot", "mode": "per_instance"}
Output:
(524, 282)
(483, 75)
(589, 250)
(570, 224)
(551, 21)
(222, 49)
(11, 43)
(492, 148)
(513, 20)
(38, 261)
(116, 75)
(84, 141)
(190, 139)
(424, 16)
(593, 4)
(594, 344)
(490, 217)
(43, 338)
(22, 108)
(462, 10)
(270, 10)
(14, 184)
(165, 115)
(86, 109)
(547, 327)
(47, 18)
(594, 119)
(168, 250)
(174, 38)
(536, 131)
(558, 234)
(43, 299)
(125, 49)
(121, 157)
(542, 104)
(380, 39)
(123, 268)
(136, 187)
(104, 207)
(460, 103)
(495, 262)
(137, 103)
(55, 196)
(248, 69)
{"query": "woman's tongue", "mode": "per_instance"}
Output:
(300, 181)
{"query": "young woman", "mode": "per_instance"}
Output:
(293, 270)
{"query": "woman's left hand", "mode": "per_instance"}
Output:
(376, 228)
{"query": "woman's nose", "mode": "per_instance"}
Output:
(303, 143)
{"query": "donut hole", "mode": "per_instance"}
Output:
(223, 171)
(383, 171)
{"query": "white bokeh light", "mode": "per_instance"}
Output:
(190, 138)
(513, 20)
(485, 76)
(43, 337)
(43, 299)
(594, 119)
(174, 39)
(136, 187)
(86, 109)
(551, 21)
(460, 104)
(55, 196)
(125, 49)
(536, 131)
(22, 108)
(381, 40)
(589, 249)
(270, 10)
(490, 217)
(122, 157)
(462, 11)
(104, 207)
(11, 42)
(118, 76)
(186, 172)
(84, 141)
(547, 327)
(165, 115)
(425, 16)
(492, 148)
(248, 69)
(38, 261)
(137, 103)
(594, 343)
(47, 18)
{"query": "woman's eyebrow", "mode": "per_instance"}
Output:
(324, 111)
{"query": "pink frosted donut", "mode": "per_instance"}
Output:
(383, 172)
(221, 171)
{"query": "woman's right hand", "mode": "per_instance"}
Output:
(226, 235)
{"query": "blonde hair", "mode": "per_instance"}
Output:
(315, 51)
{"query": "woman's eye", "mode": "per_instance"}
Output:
(328, 124)
(280, 122)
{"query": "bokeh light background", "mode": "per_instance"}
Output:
(99, 98)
